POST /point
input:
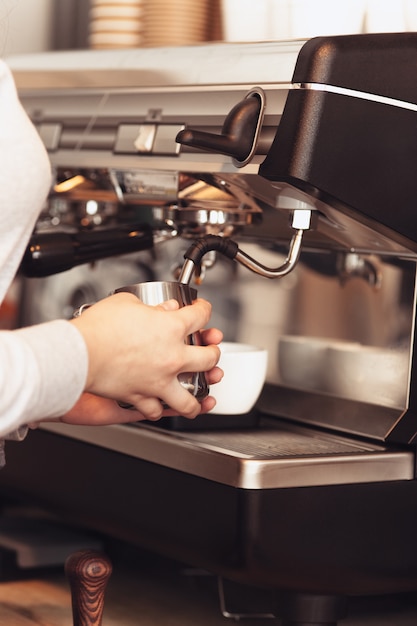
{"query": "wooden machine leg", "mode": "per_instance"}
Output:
(88, 573)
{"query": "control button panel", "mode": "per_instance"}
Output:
(151, 139)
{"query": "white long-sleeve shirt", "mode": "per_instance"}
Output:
(43, 368)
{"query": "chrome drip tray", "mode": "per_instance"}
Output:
(273, 455)
(268, 442)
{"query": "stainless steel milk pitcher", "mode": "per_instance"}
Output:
(156, 292)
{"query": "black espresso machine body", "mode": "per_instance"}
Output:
(316, 494)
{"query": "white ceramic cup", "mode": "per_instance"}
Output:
(368, 373)
(244, 369)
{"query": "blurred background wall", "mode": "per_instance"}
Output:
(39, 25)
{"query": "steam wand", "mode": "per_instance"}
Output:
(300, 222)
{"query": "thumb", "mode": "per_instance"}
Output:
(169, 305)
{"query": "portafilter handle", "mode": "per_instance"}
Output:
(50, 252)
(88, 573)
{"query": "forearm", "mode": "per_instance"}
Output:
(43, 373)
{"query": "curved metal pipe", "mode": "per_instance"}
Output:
(288, 265)
(229, 248)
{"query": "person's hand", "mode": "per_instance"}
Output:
(97, 411)
(135, 355)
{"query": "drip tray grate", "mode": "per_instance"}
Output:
(272, 440)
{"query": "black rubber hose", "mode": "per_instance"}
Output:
(209, 243)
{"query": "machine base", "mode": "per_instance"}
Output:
(335, 540)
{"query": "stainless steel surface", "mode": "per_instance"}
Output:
(274, 456)
(158, 67)
(156, 292)
(207, 216)
(345, 369)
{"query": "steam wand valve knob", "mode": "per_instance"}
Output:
(239, 134)
(88, 573)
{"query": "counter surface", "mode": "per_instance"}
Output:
(157, 591)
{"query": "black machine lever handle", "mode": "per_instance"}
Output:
(239, 132)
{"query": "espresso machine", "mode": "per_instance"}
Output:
(291, 167)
